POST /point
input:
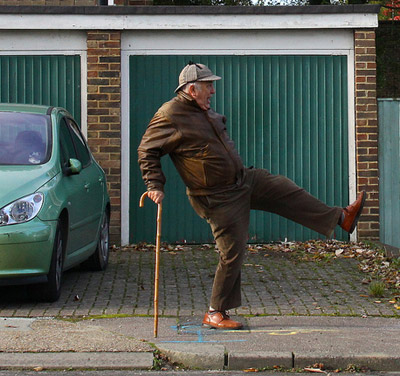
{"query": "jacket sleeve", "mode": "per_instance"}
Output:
(161, 137)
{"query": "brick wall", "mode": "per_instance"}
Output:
(367, 131)
(104, 114)
(388, 59)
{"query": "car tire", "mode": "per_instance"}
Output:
(99, 260)
(51, 290)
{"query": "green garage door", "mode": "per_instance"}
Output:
(287, 114)
(53, 80)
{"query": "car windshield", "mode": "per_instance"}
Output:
(24, 138)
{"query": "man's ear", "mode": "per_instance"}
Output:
(192, 91)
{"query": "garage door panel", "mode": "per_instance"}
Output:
(287, 114)
(53, 80)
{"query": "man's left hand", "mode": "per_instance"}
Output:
(156, 196)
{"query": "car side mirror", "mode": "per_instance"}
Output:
(75, 167)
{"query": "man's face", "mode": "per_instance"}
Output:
(202, 93)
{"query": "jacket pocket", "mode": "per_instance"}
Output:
(192, 172)
(193, 152)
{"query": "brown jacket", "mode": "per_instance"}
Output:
(198, 144)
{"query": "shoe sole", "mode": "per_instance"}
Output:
(353, 226)
(220, 327)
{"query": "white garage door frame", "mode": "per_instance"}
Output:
(244, 42)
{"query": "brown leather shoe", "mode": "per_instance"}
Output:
(352, 212)
(220, 320)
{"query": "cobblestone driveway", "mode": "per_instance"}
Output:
(273, 284)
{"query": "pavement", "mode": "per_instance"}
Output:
(295, 313)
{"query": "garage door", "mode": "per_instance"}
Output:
(53, 80)
(287, 114)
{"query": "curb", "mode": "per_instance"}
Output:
(194, 356)
(73, 360)
(372, 361)
(207, 357)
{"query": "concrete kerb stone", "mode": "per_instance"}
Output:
(73, 360)
(259, 359)
(195, 355)
(372, 361)
(214, 357)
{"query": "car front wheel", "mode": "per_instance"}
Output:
(99, 260)
(51, 290)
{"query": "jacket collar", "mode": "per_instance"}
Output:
(186, 98)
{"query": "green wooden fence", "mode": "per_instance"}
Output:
(389, 169)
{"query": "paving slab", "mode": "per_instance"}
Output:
(55, 335)
(296, 342)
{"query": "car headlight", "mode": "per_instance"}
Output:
(21, 210)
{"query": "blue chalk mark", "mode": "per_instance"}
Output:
(234, 340)
(191, 329)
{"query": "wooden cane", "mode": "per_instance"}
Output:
(157, 266)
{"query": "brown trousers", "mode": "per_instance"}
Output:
(228, 214)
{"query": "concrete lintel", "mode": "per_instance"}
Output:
(216, 21)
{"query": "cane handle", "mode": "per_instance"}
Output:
(142, 197)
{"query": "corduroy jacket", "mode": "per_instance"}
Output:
(198, 144)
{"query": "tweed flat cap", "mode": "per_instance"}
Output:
(195, 72)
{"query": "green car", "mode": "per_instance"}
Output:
(54, 205)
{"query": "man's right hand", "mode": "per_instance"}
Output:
(156, 196)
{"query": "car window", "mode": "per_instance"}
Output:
(67, 145)
(25, 139)
(80, 147)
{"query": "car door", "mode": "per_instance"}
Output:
(85, 191)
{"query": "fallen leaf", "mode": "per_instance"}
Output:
(318, 370)
(339, 251)
(251, 370)
(38, 369)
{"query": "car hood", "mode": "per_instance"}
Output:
(20, 181)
